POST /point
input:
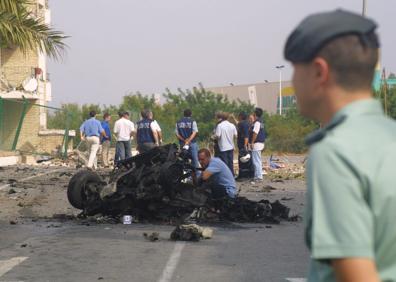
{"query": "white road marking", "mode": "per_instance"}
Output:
(31, 177)
(296, 279)
(171, 265)
(7, 265)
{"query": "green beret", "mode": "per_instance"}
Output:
(316, 30)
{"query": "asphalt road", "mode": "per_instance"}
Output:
(55, 251)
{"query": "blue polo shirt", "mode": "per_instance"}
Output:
(222, 176)
(106, 127)
(91, 127)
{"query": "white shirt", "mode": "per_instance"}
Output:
(123, 129)
(258, 146)
(155, 126)
(225, 132)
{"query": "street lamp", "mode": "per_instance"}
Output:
(364, 8)
(280, 87)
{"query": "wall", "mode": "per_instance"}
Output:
(16, 65)
(267, 93)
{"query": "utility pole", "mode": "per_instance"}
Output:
(364, 10)
(384, 90)
(280, 87)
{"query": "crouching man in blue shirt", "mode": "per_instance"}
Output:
(216, 176)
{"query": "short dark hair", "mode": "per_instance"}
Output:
(351, 60)
(92, 113)
(126, 113)
(243, 115)
(106, 115)
(145, 113)
(258, 112)
(120, 113)
(204, 151)
(187, 113)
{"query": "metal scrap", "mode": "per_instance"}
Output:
(157, 186)
(191, 232)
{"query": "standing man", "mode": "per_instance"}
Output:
(117, 150)
(157, 128)
(146, 136)
(246, 169)
(186, 131)
(351, 198)
(91, 130)
(225, 134)
(256, 140)
(216, 176)
(105, 141)
(124, 130)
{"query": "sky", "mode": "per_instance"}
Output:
(121, 46)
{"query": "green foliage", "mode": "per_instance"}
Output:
(19, 28)
(390, 107)
(203, 104)
(285, 133)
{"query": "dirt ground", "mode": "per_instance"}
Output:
(31, 193)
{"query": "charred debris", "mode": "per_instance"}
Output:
(156, 186)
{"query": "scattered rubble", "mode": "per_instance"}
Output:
(11, 191)
(155, 186)
(153, 237)
(37, 193)
(191, 232)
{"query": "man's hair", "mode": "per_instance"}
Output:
(222, 115)
(205, 151)
(92, 113)
(120, 114)
(243, 115)
(351, 60)
(145, 113)
(126, 114)
(187, 113)
(106, 115)
(258, 112)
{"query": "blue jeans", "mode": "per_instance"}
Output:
(123, 150)
(193, 149)
(258, 165)
(228, 158)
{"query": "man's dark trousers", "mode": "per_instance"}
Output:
(228, 158)
(124, 149)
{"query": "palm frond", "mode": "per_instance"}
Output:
(15, 7)
(27, 32)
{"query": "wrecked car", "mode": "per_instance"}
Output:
(157, 185)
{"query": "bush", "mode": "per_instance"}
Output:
(285, 133)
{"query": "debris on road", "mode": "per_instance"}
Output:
(191, 232)
(11, 191)
(155, 186)
(153, 237)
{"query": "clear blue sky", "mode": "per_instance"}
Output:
(120, 46)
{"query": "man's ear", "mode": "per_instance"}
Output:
(321, 70)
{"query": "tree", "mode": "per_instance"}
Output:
(20, 28)
(204, 105)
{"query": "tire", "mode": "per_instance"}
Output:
(76, 187)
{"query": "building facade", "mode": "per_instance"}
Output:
(264, 95)
(25, 90)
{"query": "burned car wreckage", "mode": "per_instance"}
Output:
(157, 186)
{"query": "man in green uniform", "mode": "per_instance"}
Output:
(351, 200)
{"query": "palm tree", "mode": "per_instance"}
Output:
(20, 28)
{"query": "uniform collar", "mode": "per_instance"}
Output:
(361, 107)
